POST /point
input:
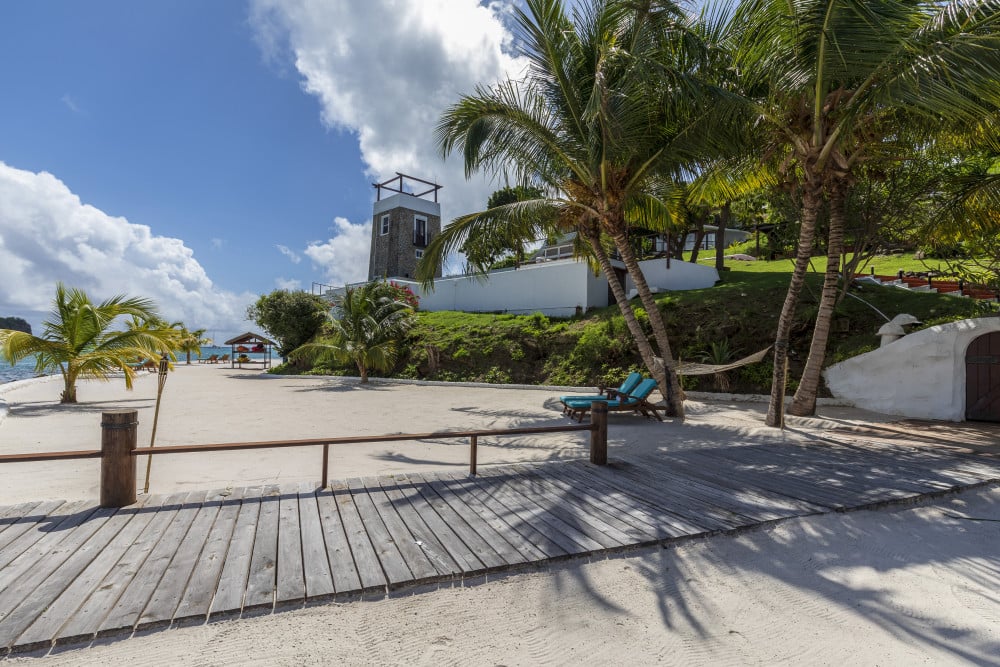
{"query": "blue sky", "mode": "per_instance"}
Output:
(202, 153)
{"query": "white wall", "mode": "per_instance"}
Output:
(552, 288)
(681, 275)
(921, 375)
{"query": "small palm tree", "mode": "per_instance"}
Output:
(191, 341)
(368, 323)
(78, 341)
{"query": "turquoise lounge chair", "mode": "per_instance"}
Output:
(633, 402)
(626, 387)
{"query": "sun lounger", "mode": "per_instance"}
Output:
(224, 358)
(626, 387)
(634, 402)
(211, 360)
(143, 364)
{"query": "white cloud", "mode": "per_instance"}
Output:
(386, 70)
(289, 284)
(289, 253)
(47, 235)
(70, 103)
(343, 258)
(217, 244)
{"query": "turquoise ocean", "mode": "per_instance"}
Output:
(25, 368)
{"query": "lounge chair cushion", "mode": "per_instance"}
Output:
(626, 388)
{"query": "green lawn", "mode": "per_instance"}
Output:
(884, 265)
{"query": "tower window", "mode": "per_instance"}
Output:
(419, 231)
(419, 253)
(384, 226)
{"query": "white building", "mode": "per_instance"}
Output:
(552, 283)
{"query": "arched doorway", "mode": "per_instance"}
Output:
(982, 378)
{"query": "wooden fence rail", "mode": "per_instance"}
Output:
(118, 448)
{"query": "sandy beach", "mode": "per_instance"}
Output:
(895, 586)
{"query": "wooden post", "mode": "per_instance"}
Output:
(473, 443)
(326, 466)
(599, 434)
(118, 437)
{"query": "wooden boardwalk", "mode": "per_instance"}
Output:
(70, 572)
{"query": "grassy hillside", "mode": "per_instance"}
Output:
(726, 322)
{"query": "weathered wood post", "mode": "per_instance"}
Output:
(599, 434)
(473, 444)
(118, 437)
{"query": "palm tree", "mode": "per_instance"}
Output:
(835, 83)
(191, 341)
(605, 111)
(78, 341)
(368, 324)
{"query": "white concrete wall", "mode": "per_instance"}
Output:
(921, 375)
(681, 275)
(555, 289)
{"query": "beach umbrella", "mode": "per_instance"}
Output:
(161, 376)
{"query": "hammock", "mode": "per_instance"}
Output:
(708, 369)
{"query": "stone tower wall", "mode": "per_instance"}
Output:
(393, 255)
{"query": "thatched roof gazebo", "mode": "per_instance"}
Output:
(246, 344)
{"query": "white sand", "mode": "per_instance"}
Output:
(916, 585)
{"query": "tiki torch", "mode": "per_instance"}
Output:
(161, 377)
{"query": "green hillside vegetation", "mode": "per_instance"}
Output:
(715, 325)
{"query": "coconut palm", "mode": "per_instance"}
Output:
(190, 342)
(78, 341)
(607, 108)
(368, 324)
(835, 83)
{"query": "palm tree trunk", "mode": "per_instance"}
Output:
(363, 370)
(69, 387)
(804, 402)
(642, 343)
(720, 237)
(811, 198)
(670, 387)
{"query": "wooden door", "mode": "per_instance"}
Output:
(982, 378)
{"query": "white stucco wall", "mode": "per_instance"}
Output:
(921, 375)
(553, 288)
(680, 276)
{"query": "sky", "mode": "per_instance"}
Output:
(205, 153)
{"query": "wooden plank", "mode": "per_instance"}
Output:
(168, 593)
(392, 562)
(401, 493)
(315, 560)
(21, 534)
(261, 579)
(774, 475)
(492, 513)
(89, 617)
(366, 561)
(62, 533)
(753, 509)
(533, 543)
(567, 536)
(232, 584)
(129, 607)
(691, 467)
(11, 514)
(474, 532)
(592, 499)
(65, 606)
(664, 527)
(291, 578)
(204, 581)
(421, 567)
(554, 503)
(854, 479)
(701, 514)
(783, 478)
(61, 579)
(345, 566)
